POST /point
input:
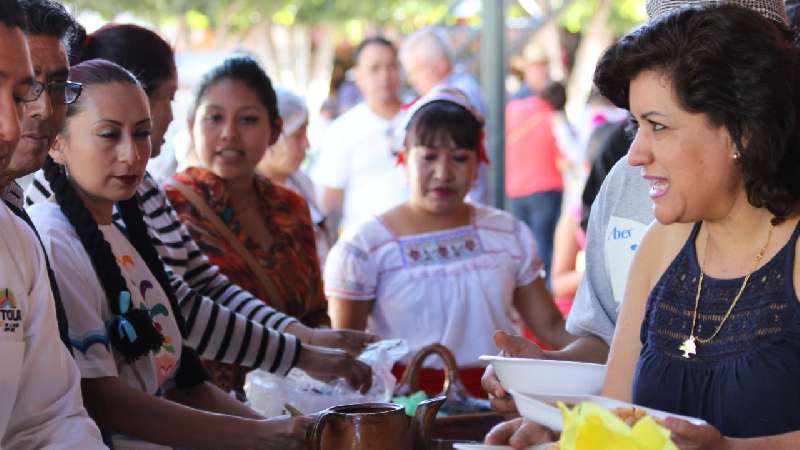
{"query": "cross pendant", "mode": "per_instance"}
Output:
(689, 347)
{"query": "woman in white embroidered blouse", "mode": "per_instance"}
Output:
(438, 269)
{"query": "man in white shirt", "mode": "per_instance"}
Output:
(356, 169)
(49, 24)
(428, 61)
(41, 403)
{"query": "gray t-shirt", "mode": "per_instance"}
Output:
(620, 216)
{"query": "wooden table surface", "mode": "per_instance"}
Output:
(465, 427)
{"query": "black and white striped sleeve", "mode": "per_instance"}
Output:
(180, 252)
(221, 334)
(225, 323)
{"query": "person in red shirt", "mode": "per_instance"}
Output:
(533, 180)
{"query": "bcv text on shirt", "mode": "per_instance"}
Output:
(622, 240)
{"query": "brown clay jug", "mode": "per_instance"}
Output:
(459, 401)
(375, 426)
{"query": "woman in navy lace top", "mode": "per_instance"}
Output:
(710, 326)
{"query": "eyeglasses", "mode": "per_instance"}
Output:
(61, 92)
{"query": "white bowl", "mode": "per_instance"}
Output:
(544, 376)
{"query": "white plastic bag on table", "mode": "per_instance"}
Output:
(268, 393)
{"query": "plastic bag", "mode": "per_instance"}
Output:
(268, 394)
(592, 426)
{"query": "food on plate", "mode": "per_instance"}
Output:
(629, 415)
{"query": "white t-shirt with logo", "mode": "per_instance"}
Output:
(356, 156)
(88, 311)
(40, 396)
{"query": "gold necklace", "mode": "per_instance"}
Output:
(689, 346)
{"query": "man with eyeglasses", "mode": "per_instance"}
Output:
(44, 110)
(45, 104)
(40, 396)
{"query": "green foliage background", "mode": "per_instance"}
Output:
(405, 15)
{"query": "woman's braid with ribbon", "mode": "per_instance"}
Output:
(131, 330)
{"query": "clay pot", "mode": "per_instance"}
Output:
(375, 426)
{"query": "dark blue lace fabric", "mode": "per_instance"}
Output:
(746, 381)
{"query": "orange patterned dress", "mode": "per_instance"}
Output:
(291, 262)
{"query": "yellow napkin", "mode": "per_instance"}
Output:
(589, 426)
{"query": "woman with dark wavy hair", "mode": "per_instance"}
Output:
(710, 325)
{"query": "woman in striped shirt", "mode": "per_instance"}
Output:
(224, 322)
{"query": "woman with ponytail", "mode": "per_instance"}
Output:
(141, 385)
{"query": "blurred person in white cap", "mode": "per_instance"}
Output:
(282, 160)
(619, 219)
(429, 62)
(437, 269)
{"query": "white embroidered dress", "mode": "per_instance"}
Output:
(454, 287)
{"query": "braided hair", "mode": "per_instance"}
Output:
(131, 331)
(146, 337)
(190, 372)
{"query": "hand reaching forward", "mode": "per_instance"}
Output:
(514, 346)
(351, 341)
(326, 365)
(688, 436)
(519, 433)
(282, 433)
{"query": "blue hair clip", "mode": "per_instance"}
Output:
(124, 302)
(124, 326)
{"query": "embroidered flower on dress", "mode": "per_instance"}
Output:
(441, 248)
